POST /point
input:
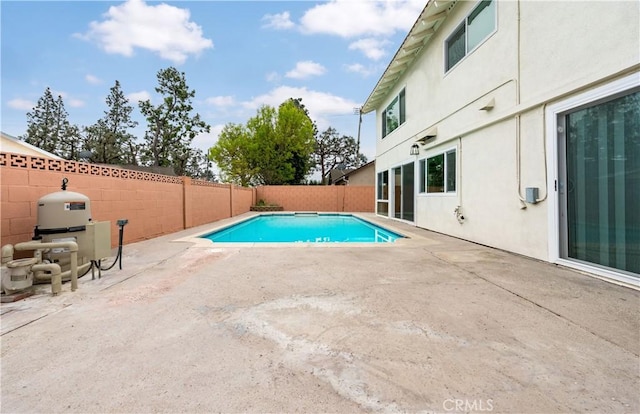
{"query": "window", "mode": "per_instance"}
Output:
(422, 175)
(594, 208)
(601, 171)
(440, 174)
(394, 115)
(383, 193)
(403, 191)
(475, 28)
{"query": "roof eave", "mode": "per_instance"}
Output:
(434, 12)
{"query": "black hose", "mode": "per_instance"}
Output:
(118, 258)
(87, 271)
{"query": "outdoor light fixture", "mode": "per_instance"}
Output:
(415, 149)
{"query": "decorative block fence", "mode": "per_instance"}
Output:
(154, 204)
(319, 198)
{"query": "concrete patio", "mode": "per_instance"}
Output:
(429, 324)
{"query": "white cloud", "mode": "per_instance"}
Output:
(221, 101)
(21, 104)
(68, 100)
(348, 18)
(162, 29)
(279, 21)
(272, 77)
(306, 69)
(136, 97)
(206, 140)
(94, 80)
(320, 104)
(56, 93)
(372, 48)
(75, 103)
(358, 68)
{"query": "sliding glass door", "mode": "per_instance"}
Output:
(599, 183)
(403, 192)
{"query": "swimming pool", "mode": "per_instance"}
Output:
(314, 228)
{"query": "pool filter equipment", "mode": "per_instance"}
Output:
(66, 243)
(66, 216)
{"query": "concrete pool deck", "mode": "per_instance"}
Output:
(432, 324)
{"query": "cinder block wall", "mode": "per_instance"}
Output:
(154, 204)
(243, 199)
(209, 202)
(320, 198)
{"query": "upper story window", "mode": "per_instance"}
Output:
(394, 115)
(475, 28)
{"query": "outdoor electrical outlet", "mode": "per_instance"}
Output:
(531, 195)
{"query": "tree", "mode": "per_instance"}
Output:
(200, 167)
(49, 129)
(170, 126)
(108, 139)
(273, 148)
(235, 155)
(333, 150)
(294, 123)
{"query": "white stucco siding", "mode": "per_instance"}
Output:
(451, 100)
(487, 193)
(489, 65)
(541, 53)
(567, 44)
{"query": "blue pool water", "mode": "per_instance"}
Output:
(316, 228)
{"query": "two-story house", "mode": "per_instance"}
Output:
(516, 124)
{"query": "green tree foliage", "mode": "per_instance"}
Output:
(171, 127)
(274, 147)
(108, 139)
(333, 150)
(49, 129)
(235, 155)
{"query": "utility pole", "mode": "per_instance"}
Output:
(358, 111)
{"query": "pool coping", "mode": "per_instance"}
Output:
(199, 241)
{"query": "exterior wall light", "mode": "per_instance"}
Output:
(415, 149)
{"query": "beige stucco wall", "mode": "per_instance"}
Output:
(564, 49)
(364, 175)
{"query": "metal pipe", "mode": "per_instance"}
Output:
(56, 275)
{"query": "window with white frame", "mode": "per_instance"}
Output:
(382, 194)
(475, 28)
(422, 176)
(440, 174)
(394, 115)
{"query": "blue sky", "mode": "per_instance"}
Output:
(237, 55)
